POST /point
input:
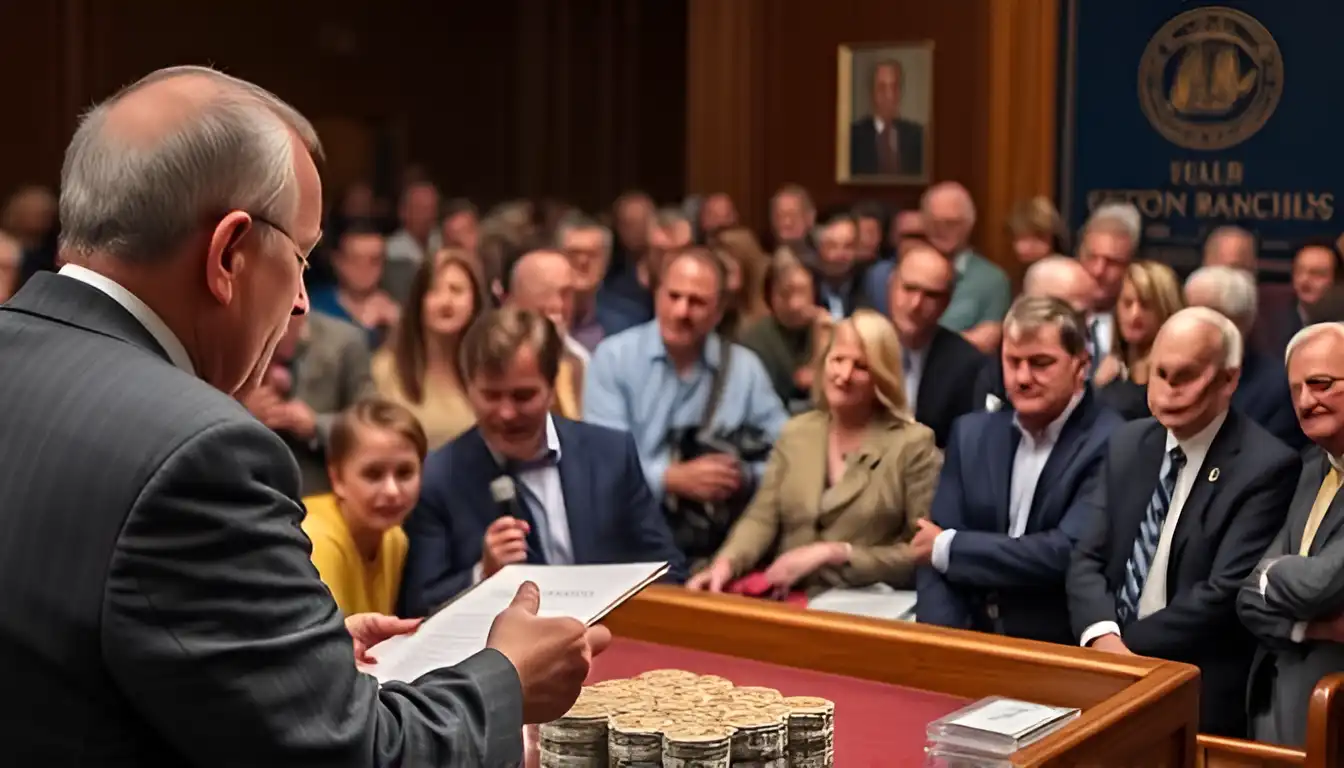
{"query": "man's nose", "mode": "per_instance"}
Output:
(301, 301)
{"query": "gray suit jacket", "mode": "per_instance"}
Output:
(1296, 589)
(160, 608)
(331, 371)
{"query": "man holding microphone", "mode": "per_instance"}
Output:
(160, 607)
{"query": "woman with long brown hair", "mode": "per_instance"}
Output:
(746, 264)
(419, 369)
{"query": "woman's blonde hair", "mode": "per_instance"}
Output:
(882, 347)
(1157, 288)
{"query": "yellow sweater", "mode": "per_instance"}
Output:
(358, 585)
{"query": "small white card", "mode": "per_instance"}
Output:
(1008, 717)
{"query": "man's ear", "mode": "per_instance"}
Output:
(221, 258)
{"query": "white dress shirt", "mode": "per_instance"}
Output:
(1102, 326)
(913, 362)
(544, 496)
(1153, 598)
(1028, 464)
(172, 346)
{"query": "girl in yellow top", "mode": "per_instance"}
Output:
(374, 456)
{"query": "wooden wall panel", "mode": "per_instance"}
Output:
(578, 99)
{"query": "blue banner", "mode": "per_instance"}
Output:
(1205, 114)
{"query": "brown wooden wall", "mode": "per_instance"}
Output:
(762, 94)
(499, 99)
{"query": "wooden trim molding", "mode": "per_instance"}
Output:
(725, 85)
(1023, 78)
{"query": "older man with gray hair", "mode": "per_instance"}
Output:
(1263, 391)
(161, 596)
(1231, 247)
(1294, 600)
(983, 292)
(1106, 248)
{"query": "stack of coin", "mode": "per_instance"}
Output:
(635, 740)
(713, 684)
(679, 676)
(760, 738)
(750, 697)
(697, 746)
(578, 739)
(811, 732)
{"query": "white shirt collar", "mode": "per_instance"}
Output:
(552, 442)
(138, 309)
(1197, 446)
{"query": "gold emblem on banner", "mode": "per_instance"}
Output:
(1210, 78)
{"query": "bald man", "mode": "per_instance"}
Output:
(940, 366)
(543, 282)
(983, 291)
(1188, 502)
(1054, 277)
(163, 607)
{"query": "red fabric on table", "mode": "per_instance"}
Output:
(755, 585)
(876, 725)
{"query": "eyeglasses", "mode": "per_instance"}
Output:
(299, 253)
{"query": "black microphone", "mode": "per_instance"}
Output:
(505, 494)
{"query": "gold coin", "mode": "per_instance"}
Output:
(638, 722)
(809, 704)
(754, 691)
(695, 733)
(668, 675)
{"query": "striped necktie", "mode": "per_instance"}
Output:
(1150, 532)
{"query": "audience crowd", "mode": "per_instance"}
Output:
(1115, 457)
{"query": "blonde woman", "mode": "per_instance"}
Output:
(845, 482)
(1149, 295)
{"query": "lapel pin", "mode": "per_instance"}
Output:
(1213, 475)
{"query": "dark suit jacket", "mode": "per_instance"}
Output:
(1223, 529)
(952, 366)
(863, 154)
(613, 518)
(1263, 395)
(161, 605)
(1296, 589)
(855, 295)
(996, 583)
(989, 384)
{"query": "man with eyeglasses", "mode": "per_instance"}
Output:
(160, 604)
(1294, 600)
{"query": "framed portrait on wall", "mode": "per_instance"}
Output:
(884, 113)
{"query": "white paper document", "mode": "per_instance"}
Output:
(458, 630)
(1008, 717)
(878, 601)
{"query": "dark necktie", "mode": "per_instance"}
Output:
(1145, 543)
(888, 161)
(530, 507)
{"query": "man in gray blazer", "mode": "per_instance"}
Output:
(1294, 600)
(320, 368)
(159, 604)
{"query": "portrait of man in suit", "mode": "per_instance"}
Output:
(885, 104)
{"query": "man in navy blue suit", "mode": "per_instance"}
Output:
(525, 485)
(1012, 498)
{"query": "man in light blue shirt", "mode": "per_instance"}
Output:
(655, 380)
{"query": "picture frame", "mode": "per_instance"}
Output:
(884, 113)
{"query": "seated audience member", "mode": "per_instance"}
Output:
(359, 548)
(418, 368)
(1037, 230)
(588, 246)
(417, 239)
(629, 299)
(356, 297)
(1012, 499)
(940, 366)
(838, 279)
(1054, 277)
(702, 410)
(632, 218)
(746, 264)
(1262, 392)
(871, 217)
(1106, 248)
(319, 369)
(1294, 599)
(1231, 247)
(543, 282)
(1151, 293)
(1327, 309)
(786, 339)
(717, 213)
(844, 484)
(983, 291)
(1316, 270)
(461, 228)
(11, 266)
(573, 493)
(1186, 506)
(792, 217)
